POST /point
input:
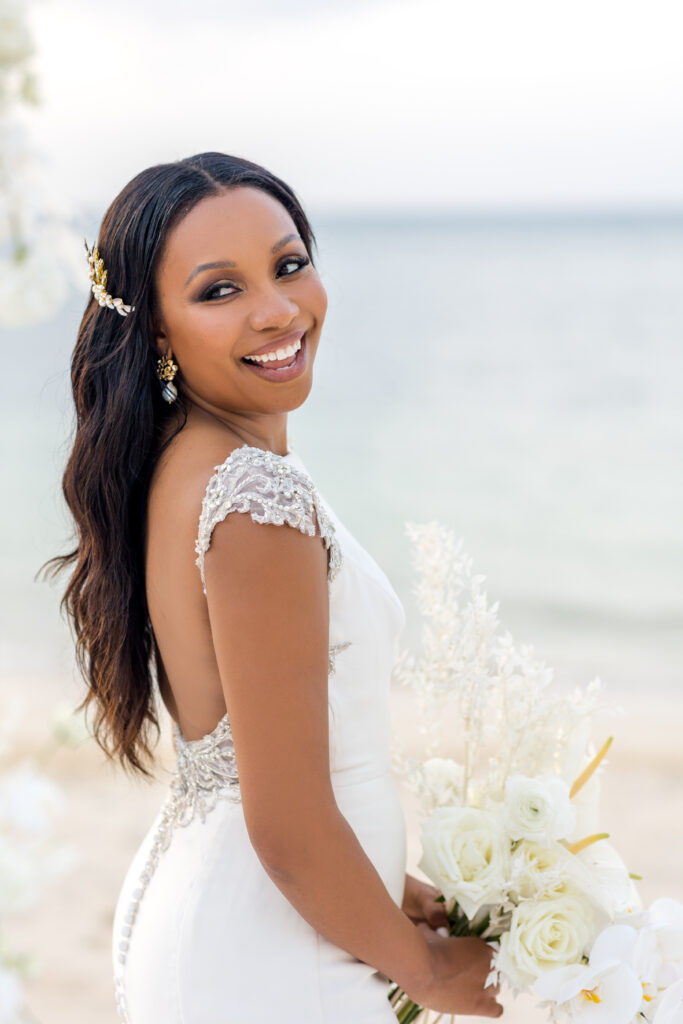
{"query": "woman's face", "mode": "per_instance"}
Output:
(234, 280)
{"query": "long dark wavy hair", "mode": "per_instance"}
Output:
(117, 440)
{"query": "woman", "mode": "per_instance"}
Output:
(272, 884)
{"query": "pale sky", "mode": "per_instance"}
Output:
(364, 103)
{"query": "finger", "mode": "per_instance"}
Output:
(492, 1010)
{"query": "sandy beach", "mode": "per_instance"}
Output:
(106, 816)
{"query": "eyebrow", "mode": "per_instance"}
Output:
(230, 263)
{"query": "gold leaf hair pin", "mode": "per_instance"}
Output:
(98, 276)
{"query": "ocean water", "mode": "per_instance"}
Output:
(519, 379)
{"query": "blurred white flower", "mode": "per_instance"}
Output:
(70, 727)
(41, 249)
(11, 997)
(538, 808)
(440, 782)
(28, 800)
(16, 44)
(466, 854)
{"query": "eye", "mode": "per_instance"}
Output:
(297, 262)
(217, 291)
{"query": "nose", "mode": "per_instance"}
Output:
(273, 308)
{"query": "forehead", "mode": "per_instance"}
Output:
(234, 225)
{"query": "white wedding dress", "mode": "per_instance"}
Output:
(202, 935)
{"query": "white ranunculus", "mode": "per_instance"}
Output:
(442, 780)
(538, 808)
(466, 854)
(544, 934)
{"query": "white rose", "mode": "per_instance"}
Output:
(538, 809)
(545, 934)
(466, 854)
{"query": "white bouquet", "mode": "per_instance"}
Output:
(512, 842)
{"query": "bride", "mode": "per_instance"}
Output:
(271, 884)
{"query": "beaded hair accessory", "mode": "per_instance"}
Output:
(98, 277)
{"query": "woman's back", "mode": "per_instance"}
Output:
(189, 679)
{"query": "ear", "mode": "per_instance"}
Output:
(161, 345)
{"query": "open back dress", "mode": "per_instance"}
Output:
(202, 935)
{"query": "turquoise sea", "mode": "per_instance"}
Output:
(519, 378)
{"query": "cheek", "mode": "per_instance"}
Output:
(209, 330)
(314, 297)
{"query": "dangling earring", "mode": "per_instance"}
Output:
(166, 371)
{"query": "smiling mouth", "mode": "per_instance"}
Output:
(270, 359)
(292, 363)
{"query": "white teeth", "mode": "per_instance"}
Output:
(281, 353)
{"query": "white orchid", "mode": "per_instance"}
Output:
(616, 983)
(670, 1007)
(665, 918)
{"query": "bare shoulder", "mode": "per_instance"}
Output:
(174, 507)
(183, 472)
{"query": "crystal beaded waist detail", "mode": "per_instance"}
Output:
(205, 772)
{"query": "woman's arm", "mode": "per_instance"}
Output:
(269, 612)
(269, 615)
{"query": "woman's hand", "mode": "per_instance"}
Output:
(418, 903)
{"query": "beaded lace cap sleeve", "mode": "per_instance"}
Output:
(271, 490)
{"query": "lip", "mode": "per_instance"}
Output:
(273, 346)
(286, 373)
